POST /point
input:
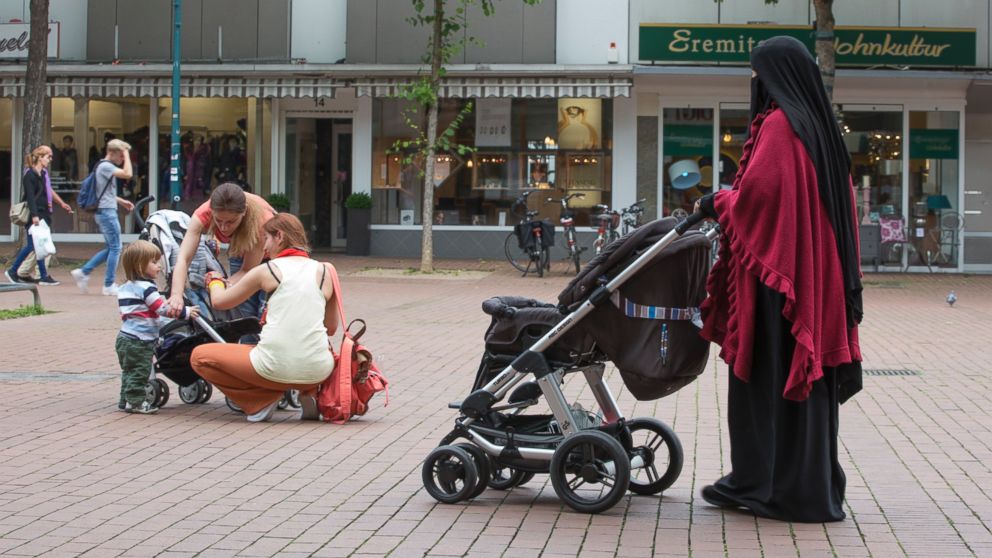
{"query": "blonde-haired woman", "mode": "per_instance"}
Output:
(36, 195)
(116, 165)
(233, 217)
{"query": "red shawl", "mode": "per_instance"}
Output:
(775, 229)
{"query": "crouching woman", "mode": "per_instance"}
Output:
(293, 351)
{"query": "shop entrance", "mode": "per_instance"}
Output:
(318, 176)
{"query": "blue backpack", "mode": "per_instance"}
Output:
(88, 200)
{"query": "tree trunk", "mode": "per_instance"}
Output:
(427, 240)
(825, 54)
(36, 106)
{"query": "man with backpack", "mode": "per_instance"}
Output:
(116, 165)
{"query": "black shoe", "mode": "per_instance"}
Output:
(49, 281)
(27, 279)
(12, 277)
(714, 498)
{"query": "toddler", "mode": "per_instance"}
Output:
(143, 311)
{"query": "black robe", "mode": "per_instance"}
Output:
(783, 453)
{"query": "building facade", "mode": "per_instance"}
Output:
(618, 100)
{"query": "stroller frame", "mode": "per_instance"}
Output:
(452, 465)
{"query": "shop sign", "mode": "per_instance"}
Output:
(492, 122)
(14, 40)
(855, 46)
(933, 144)
(686, 140)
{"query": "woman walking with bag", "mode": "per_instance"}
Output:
(36, 196)
(117, 164)
(301, 313)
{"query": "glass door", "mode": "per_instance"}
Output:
(687, 153)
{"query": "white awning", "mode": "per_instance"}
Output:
(97, 87)
(554, 87)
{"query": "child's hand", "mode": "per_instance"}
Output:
(193, 312)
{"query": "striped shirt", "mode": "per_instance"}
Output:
(143, 309)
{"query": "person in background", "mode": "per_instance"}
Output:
(29, 268)
(37, 195)
(142, 309)
(116, 165)
(294, 351)
(785, 296)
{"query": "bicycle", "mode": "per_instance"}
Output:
(522, 252)
(627, 219)
(567, 220)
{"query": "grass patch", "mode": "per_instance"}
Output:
(23, 312)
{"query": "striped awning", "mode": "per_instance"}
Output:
(553, 87)
(96, 87)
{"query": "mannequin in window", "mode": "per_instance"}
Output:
(68, 158)
(197, 180)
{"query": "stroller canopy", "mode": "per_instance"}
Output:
(651, 328)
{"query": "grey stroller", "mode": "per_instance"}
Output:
(635, 304)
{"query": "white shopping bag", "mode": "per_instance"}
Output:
(41, 235)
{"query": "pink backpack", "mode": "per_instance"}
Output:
(355, 379)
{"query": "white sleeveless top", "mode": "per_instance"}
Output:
(293, 346)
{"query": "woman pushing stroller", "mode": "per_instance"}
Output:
(293, 352)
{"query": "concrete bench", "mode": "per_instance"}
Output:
(11, 287)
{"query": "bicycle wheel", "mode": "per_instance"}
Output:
(573, 248)
(517, 257)
(542, 259)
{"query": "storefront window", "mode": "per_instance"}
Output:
(6, 160)
(557, 146)
(214, 136)
(734, 128)
(687, 148)
(933, 185)
(80, 131)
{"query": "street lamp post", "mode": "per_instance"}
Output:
(174, 186)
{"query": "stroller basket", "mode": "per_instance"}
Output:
(177, 340)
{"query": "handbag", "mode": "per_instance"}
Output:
(41, 236)
(355, 379)
(20, 214)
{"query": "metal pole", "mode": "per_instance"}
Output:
(174, 186)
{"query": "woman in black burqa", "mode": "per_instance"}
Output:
(785, 296)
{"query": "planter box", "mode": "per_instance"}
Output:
(359, 236)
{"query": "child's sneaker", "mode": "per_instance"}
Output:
(111, 290)
(82, 280)
(50, 281)
(145, 408)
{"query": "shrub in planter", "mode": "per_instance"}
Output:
(279, 202)
(359, 206)
(358, 200)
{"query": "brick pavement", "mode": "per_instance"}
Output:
(79, 478)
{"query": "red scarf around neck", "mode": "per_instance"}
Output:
(292, 252)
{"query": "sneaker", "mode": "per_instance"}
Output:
(121, 405)
(50, 281)
(13, 278)
(265, 414)
(145, 408)
(82, 280)
(27, 279)
(110, 291)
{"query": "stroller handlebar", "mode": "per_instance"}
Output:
(689, 222)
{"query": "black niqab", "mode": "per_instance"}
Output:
(788, 75)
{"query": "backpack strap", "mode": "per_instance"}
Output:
(337, 294)
(109, 180)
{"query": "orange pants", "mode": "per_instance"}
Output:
(227, 366)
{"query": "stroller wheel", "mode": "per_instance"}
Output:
(232, 405)
(151, 393)
(293, 398)
(190, 394)
(206, 390)
(590, 471)
(661, 452)
(163, 392)
(481, 461)
(449, 474)
(505, 478)
(284, 402)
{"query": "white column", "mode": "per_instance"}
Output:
(361, 146)
(276, 183)
(624, 151)
(153, 176)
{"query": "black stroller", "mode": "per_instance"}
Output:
(635, 304)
